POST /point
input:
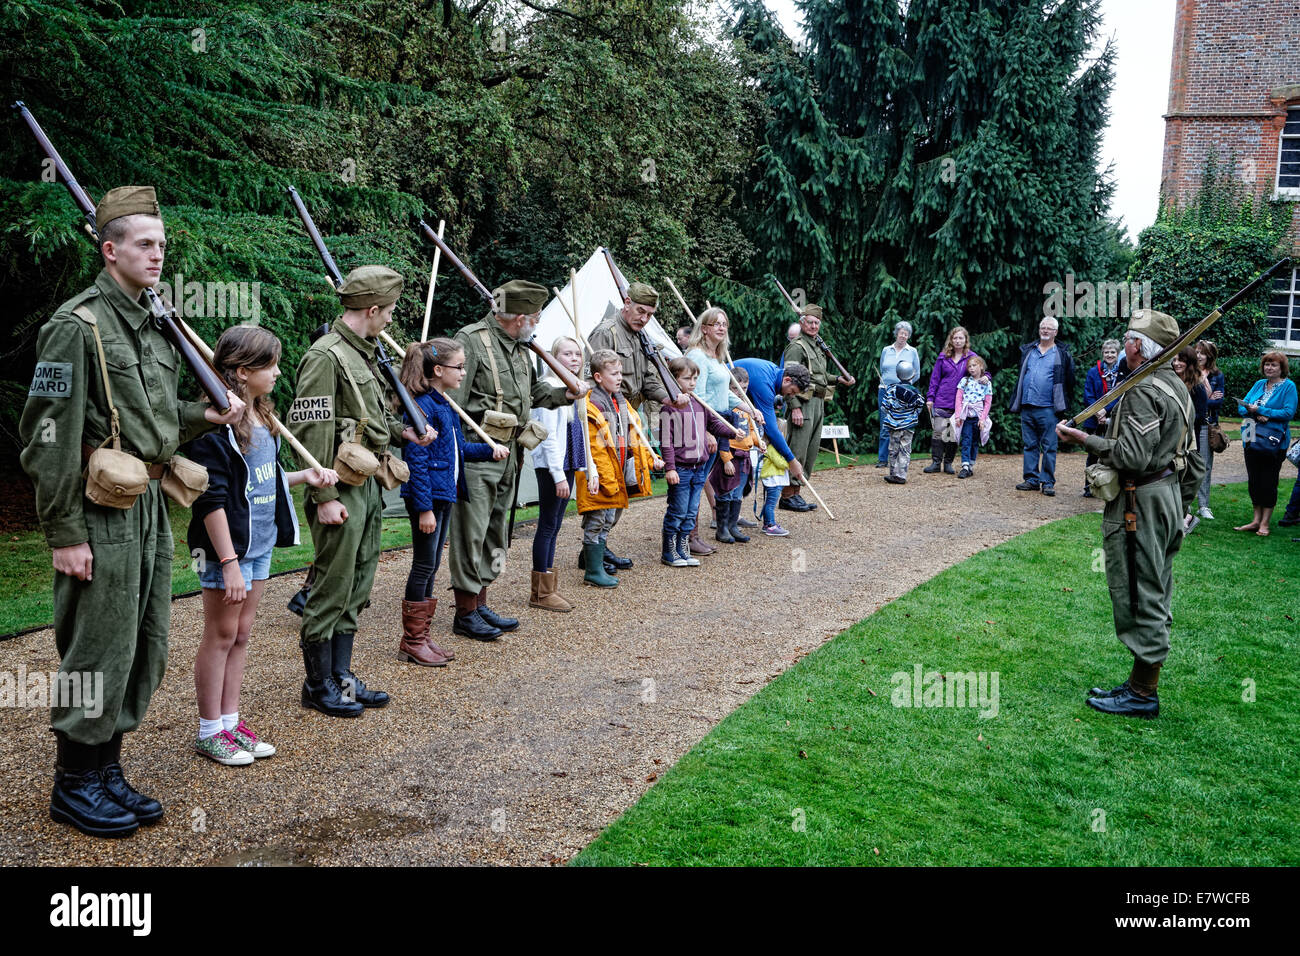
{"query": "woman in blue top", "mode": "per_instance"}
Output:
(890, 356)
(1265, 411)
(437, 478)
(708, 347)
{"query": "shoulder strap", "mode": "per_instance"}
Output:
(1185, 441)
(492, 363)
(115, 425)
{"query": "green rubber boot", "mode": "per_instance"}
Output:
(594, 558)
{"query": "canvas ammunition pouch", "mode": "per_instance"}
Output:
(184, 480)
(532, 434)
(1103, 480)
(501, 426)
(824, 392)
(354, 461)
(393, 472)
(114, 478)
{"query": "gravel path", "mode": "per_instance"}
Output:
(522, 750)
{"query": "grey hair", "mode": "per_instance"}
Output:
(1150, 347)
(1115, 344)
(903, 325)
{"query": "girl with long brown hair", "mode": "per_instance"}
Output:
(245, 513)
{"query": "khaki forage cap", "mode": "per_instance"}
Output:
(126, 201)
(520, 297)
(370, 285)
(814, 310)
(643, 294)
(1161, 328)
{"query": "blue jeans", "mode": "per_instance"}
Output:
(1038, 432)
(770, 497)
(882, 453)
(684, 498)
(970, 440)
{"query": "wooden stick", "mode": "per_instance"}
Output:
(807, 484)
(450, 401)
(689, 314)
(303, 454)
(580, 404)
(433, 280)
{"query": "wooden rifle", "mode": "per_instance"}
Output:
(163, 314)
(648, 347)
(562, 373)
(416, 417)
(1177, 345)
(820, 342)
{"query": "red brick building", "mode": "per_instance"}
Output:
(1234, 88)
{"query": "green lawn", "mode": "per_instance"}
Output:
(26, 573)
(821, 768)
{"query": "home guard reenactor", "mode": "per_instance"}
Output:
(341, 414)
(1147, 475)
(807, 410)
(499, 390)
(103, 399)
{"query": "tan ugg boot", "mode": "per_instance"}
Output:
(545, 595)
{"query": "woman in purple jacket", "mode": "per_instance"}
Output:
(941, 398)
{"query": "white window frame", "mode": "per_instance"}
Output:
(1291, 344)
(1280, 191)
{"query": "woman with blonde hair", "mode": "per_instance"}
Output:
(708, 348)
(941, 398)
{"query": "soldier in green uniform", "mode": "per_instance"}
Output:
(112, 581)
(807, 410)
(619, 332)
(498, 391)
(1147, 442)
(340, 407)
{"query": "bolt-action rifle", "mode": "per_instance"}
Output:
(821, 343)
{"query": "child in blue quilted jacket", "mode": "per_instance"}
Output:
(437, 479)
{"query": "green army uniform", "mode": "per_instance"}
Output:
(479, 526)
(1147, 440)
(641, 382)
(115, 625)
(341, 398)
(805, 439)
(117, 622)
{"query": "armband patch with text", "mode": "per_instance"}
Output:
(311, 408)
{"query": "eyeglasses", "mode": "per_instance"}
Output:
(461, 366)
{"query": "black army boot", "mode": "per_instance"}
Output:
(146, 809)
(614, 561)
(320, 691)
(79, 798)
(341, 656)
(500, 622)
(468, 622)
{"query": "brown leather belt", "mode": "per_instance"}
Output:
(1154, 476)
(155, 471)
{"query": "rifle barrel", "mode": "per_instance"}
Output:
(331, 267)
(460, 267)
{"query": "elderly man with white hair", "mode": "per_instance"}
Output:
(1042, 395)
(891, 356)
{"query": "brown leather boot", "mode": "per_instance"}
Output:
(544, 594)
(431, 605)
(698, 546)
(414, 647)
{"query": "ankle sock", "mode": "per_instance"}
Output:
(209, 728)
(230, 721)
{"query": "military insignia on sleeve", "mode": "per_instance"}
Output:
(1143, 429)
(51, 380)
(312, 408)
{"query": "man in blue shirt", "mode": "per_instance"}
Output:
(1042, 395)
(766, 379)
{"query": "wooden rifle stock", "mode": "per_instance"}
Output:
(1176, 346)
(163, 314)
(562, 373)
(419, 424)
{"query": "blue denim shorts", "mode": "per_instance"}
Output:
(255, 568)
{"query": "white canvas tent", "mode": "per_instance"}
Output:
(597, 297)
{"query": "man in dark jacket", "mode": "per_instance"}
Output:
(1042, 394)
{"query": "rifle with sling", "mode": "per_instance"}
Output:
(416, 417)
(648, 347)
(163, 314)
(820, 342)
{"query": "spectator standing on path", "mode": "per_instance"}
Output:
(941, 398)
(1265, 411)
(1101, 378)
(890, 358)
(1043, 393)
(1207, 358)
(900, 408)
(792, 332)
(683, 336)
(707, 347)
(1185, 367)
